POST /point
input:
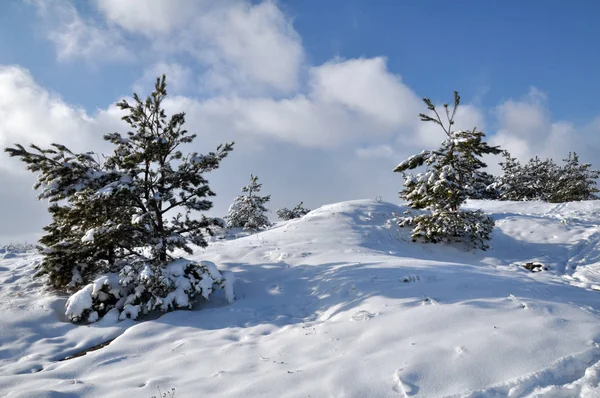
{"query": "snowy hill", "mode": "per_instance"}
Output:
(340, 303)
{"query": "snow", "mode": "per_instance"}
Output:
(79, 302)
(338, 303)
(212, 270)
(206, 286)
(130, 311)
(82, 300)
(147, 273)
(229, 286)
(137, 218)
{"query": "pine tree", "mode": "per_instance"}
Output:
(513, 183)
(536, 180)
(443, 187)
(541, 179)
(546, 181)
(297, 212)
(576, 181)
(162, 180)
(248, 211)
(106, 215)
(483, 187)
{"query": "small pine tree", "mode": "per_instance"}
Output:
(541, 176)
(443, 187)
(513, 183)
(297, 212)
(483, 187)
(546, 181)
(576, 182)
(248, 211)
(105, 216)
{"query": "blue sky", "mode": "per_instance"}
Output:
(492, 49)
(321, 97)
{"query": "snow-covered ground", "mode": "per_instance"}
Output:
(340, 303)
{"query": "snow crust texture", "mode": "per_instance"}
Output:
(339, 303)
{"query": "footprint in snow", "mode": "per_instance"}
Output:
(363, 315)
(403, 387)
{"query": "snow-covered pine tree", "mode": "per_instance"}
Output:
(513, 183)
(161, 179)
(483, 187)
(442, 188)
(81, 240)
(577, 181)
(248, 211)
(297, 212)
(542, 177)
(115, 210)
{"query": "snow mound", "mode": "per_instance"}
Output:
(340, 302)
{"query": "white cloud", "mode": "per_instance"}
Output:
(297, 120)
(180, 78)
(151, 18)
(526, 117)
(249, 45)
(366, 86)
(76, 37)
(337, 111)
(242, 47)
(31, 114)
(526, 129)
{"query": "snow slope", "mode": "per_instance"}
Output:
(341, 303)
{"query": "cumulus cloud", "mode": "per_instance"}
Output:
(153, 17)
(238, 45)
(323, 118)
(337, 110)
(75, 37)
(526, 129)
(181, 77)
(246, 45)
(367, 87)
(32, 114)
